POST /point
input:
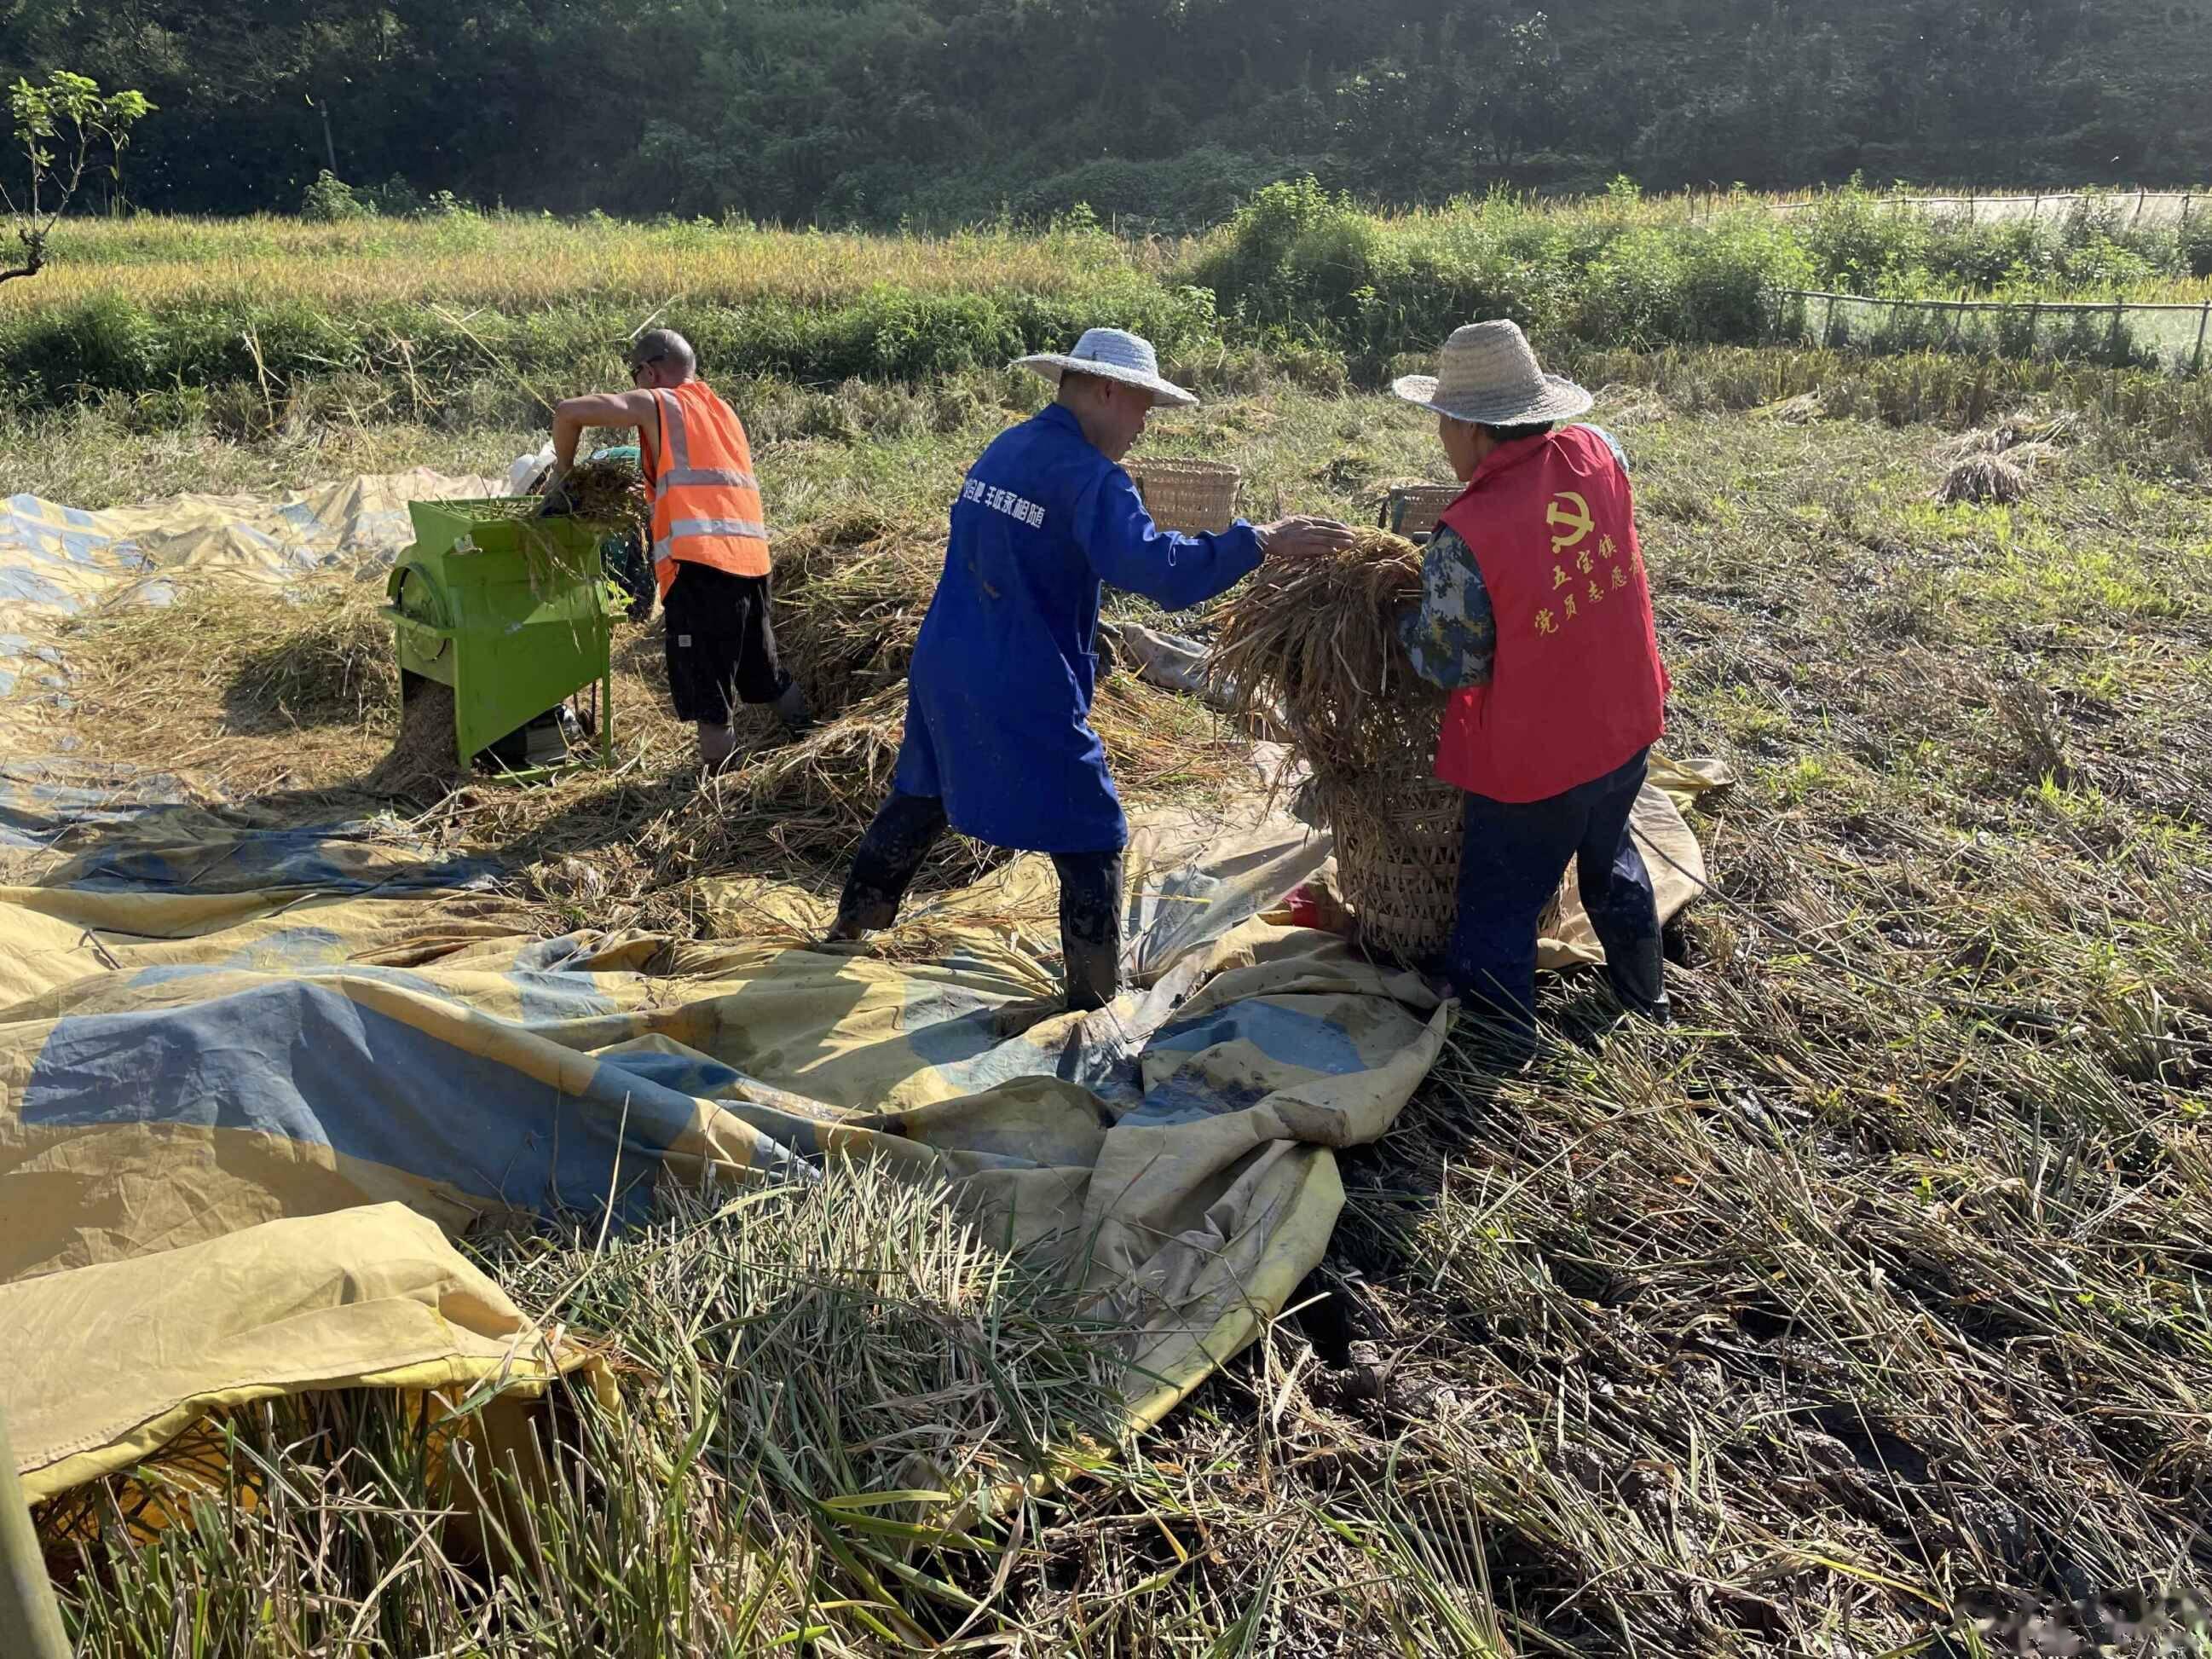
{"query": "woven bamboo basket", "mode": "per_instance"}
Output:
(1190, 497)
(1413, 509)
(1399, 840)
(1398, 843)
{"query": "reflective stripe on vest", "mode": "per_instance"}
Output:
(1576, 688)
(706, 496)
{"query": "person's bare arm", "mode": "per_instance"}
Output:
(604, 409)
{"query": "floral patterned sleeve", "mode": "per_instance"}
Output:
(1451, 635)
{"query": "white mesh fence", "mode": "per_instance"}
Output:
(2120, 211)
(2174, 337)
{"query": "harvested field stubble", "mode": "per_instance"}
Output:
(1875, 1286)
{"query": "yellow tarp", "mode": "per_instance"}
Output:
(251, 1077)
(57, 561)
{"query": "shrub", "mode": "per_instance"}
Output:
(2194, 242)
(1857, 242)
(331, 200)
(105, 344)
(1633, 293)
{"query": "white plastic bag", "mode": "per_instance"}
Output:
(525, 471)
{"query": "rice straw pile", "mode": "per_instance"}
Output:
(1315, 642)
(1983, 479)
(1998, 464)
(850, 595)
(422, 764)
(819, 793)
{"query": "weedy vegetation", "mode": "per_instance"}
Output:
(459, 318)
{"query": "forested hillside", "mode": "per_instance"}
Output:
(1167, 111)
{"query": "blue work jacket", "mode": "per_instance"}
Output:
(998, 697)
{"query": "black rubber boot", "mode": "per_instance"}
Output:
(1091, 927)
(792, 709)
(1639, 979)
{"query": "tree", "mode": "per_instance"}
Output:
(62, 126)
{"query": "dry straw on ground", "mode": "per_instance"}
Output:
(1998, 464)
(1983, 480)
(424, 762)
(814, 798)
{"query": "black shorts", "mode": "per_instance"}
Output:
(721, 645)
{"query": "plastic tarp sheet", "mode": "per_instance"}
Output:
(254, 1079)
(56, 560)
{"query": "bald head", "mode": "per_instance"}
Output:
(663, 356)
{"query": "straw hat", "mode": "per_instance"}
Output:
(1112, 354)
(1488, 373)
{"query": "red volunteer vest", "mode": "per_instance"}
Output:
(1577, 688)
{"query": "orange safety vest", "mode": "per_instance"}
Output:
(706, 500)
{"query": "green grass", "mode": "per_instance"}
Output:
(1874, 1286)
(190, 318)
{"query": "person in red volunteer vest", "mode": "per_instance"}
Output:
(710, 557)
(1536, 616)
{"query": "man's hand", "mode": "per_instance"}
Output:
(1303, 536)
(556, 502)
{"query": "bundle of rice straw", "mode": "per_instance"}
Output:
(1316, 641)
(1983, 478)
(851, 591)
(613, 493)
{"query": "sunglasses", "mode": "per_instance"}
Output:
(639, 367)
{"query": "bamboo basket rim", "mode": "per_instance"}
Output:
(1419, 506)
(1169, 466)
(1185, 495)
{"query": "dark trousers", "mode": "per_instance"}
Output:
(904, 830)
(1516, 857)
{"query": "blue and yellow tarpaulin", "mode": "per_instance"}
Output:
(253, 1079)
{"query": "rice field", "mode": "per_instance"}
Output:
(515, 262)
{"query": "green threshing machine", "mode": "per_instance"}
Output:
(513, 613)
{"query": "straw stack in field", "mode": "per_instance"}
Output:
(1983, 478)
(1314, 642)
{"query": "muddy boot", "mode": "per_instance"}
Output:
(791, 707)
(897, 841)
(1091, 927)
(717, 744)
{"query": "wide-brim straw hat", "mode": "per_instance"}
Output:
(1113, 354)
(1488, 373)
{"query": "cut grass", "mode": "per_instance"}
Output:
(1876, 1285)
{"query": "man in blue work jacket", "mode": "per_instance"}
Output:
(999, 743)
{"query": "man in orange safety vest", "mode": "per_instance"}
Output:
(710, 557)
